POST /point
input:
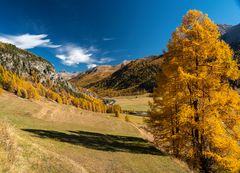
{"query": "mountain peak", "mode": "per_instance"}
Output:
(223, 28)
(232, 35)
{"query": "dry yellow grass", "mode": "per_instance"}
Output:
(18, 155)
(59, 138)
(8, 146)
(132, 119)
(134, 103)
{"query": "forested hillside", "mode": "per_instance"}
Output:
(94, 75)
(136, 77)
(32, 77)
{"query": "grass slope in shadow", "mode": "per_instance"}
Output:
(98, 141)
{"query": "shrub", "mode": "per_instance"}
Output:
(10, 86)
(117, 114)
(59, 99)
(127, 118)
(19, 94)
(41, 90)
(32, 92)
(24, 93)
(116, 109)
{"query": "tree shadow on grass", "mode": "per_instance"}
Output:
(99, 141)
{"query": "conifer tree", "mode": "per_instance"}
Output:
(195, 114)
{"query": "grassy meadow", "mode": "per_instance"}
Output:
(134, 103)
(49, 137)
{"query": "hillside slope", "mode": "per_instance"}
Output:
(30, 76)
(136, 77)
(94, 75)
(26, 64)
(62, 138)
(32, 68)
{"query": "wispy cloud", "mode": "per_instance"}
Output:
(69, 54)
(89, 66)
(104, 60)
(126, 61)
(28, 41)
(72, 55)
(108, 39)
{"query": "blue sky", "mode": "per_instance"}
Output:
(75, 35)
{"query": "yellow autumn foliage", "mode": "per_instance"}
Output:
(26, 89)
(195, 114)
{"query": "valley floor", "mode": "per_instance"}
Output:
(134, 103)
(58, 138)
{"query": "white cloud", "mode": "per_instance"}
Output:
(108, 39)
(104, 60)
(28, 41)
(91, 66)
(69, 54)
(73, 55)
(126, 61)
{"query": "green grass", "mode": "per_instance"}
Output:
(134, 103)
(57, 138)
(133, 119)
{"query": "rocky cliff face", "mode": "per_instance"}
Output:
(26, 64)
(32, 68)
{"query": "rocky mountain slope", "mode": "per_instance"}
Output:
(231, 35)
(26, 64)
(34, 68)
(223, 28)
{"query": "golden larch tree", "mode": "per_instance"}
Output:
(195, 114)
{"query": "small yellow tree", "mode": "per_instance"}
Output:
(196, 114)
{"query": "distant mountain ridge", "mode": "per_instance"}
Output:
(138, 76)
(231, 35)
(95, 74)
(132, 77)
(223, 28)
(67, 75)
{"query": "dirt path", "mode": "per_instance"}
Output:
(144, 133)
